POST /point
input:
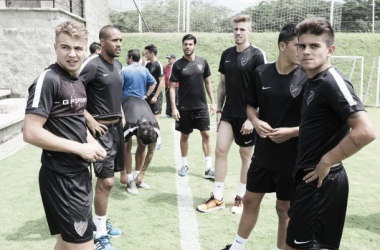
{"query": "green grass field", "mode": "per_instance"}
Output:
(150, 220)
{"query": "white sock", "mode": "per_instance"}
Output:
(238, 243)
(135, 174)
(130, 177)
(159, 140)
(208, 160)
(218, 190)
(278, 248)
(241, 189)
(184, 161)
(100, 223)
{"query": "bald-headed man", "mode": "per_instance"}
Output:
(105, 120)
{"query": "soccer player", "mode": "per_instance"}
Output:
(54, 121)
(275, 93)
(104, 119)
(192, 72)
(140, 121)
(236, 67)
(167, 71)
(334, 125)
(155, 98)
(95, 48)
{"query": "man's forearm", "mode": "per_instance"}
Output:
(160, 85)
(148, 157)
(221, 94)
(150, 89)
(172, 96)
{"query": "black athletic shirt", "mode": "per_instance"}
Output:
(328, 101)
(278, 98)
(61, 98)
(238, 69)
(157, 71)
(103, 86)
(135, 110)
(191, 75)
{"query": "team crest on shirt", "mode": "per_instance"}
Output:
(81, 227)
(311, 97)
(244, 61)
(295, 90)
(200, 66)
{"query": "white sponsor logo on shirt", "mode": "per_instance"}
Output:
(266, 87)
(105, 75)
(184, 69)
(300, 242)
(227, 61)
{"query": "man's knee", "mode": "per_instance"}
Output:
(104, 184)
(205, 135)
(282, 212)
(184, 137)
(245, 153)
(250, 203)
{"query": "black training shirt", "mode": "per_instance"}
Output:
(103, 86)
(61, 98)
(191, 75)
(157, 71)
(278, 98)
(238, 69)
(136, 110)
(329, 100)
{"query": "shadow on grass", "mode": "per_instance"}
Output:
(171, 199)
(370, 223)
(160, 169)
(33, 230)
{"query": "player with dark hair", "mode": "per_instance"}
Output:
(105, 120)
(55, 122)
(155, 98)
(334, 125)
(95, 48)
(236, 66)
(140, 122)
(192, 72)
(276, 93)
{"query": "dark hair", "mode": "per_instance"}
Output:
(287, 33)
(103, 33)
(146, 133)
(317, 26)
(189, 37)
(134, 54)
(152, 49)
(94, 47)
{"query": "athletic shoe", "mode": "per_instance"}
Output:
(211, 204)
(210, 173)
(168, 116)
(131, 187)
(227, 247)
(184, 171)
(112, 231)
(143, 185)
(158, 146)
(103, 243)
(237, 208)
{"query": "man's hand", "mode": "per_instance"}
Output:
(175, 114)
(281, 135)
(92, 152)
(212, 109)
(153, 100)
(218, 119)
(246, 128)
(320, 172)
(262, 128)
(96, 127)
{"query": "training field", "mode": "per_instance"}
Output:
(151, 220)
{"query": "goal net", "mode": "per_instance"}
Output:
(372, 88)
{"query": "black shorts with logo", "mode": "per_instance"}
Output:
(67, 200)
(190, 119)
(155, 107)
(317, 214)
(113, 142)
(262, 180)
(240, 139)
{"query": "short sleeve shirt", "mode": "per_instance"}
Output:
(103, 86)
(238, 68)
(191, 75)
(135, 80)
(60, 98)
(278, 99)
(157, 71)
(328, 101)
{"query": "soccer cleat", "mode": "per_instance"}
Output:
(237, 208)
(227, 247)
(210, 173)
(183, 171)
(143, 185)
(103, 243)
(211, 204)
(112, 231)
(131, 187)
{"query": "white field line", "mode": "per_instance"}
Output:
(188, 224)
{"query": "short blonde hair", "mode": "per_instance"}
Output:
(242, 18)
(71, 28)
